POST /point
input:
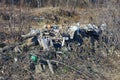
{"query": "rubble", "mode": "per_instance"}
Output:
(47, 43)
(43, 38)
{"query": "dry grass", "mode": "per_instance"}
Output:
(103, 64)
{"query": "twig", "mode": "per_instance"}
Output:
(65, 65)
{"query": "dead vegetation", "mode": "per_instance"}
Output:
(86, 62)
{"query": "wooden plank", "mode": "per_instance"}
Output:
(50, 66)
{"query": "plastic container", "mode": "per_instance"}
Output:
(34, 58)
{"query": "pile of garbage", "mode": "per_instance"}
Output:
(51, 42)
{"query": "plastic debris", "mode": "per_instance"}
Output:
(72, 30)
(15, 59)
(34, 58)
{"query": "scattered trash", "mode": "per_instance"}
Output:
(55, 28)
(15, 59)
(51, 39)
(34, 58)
